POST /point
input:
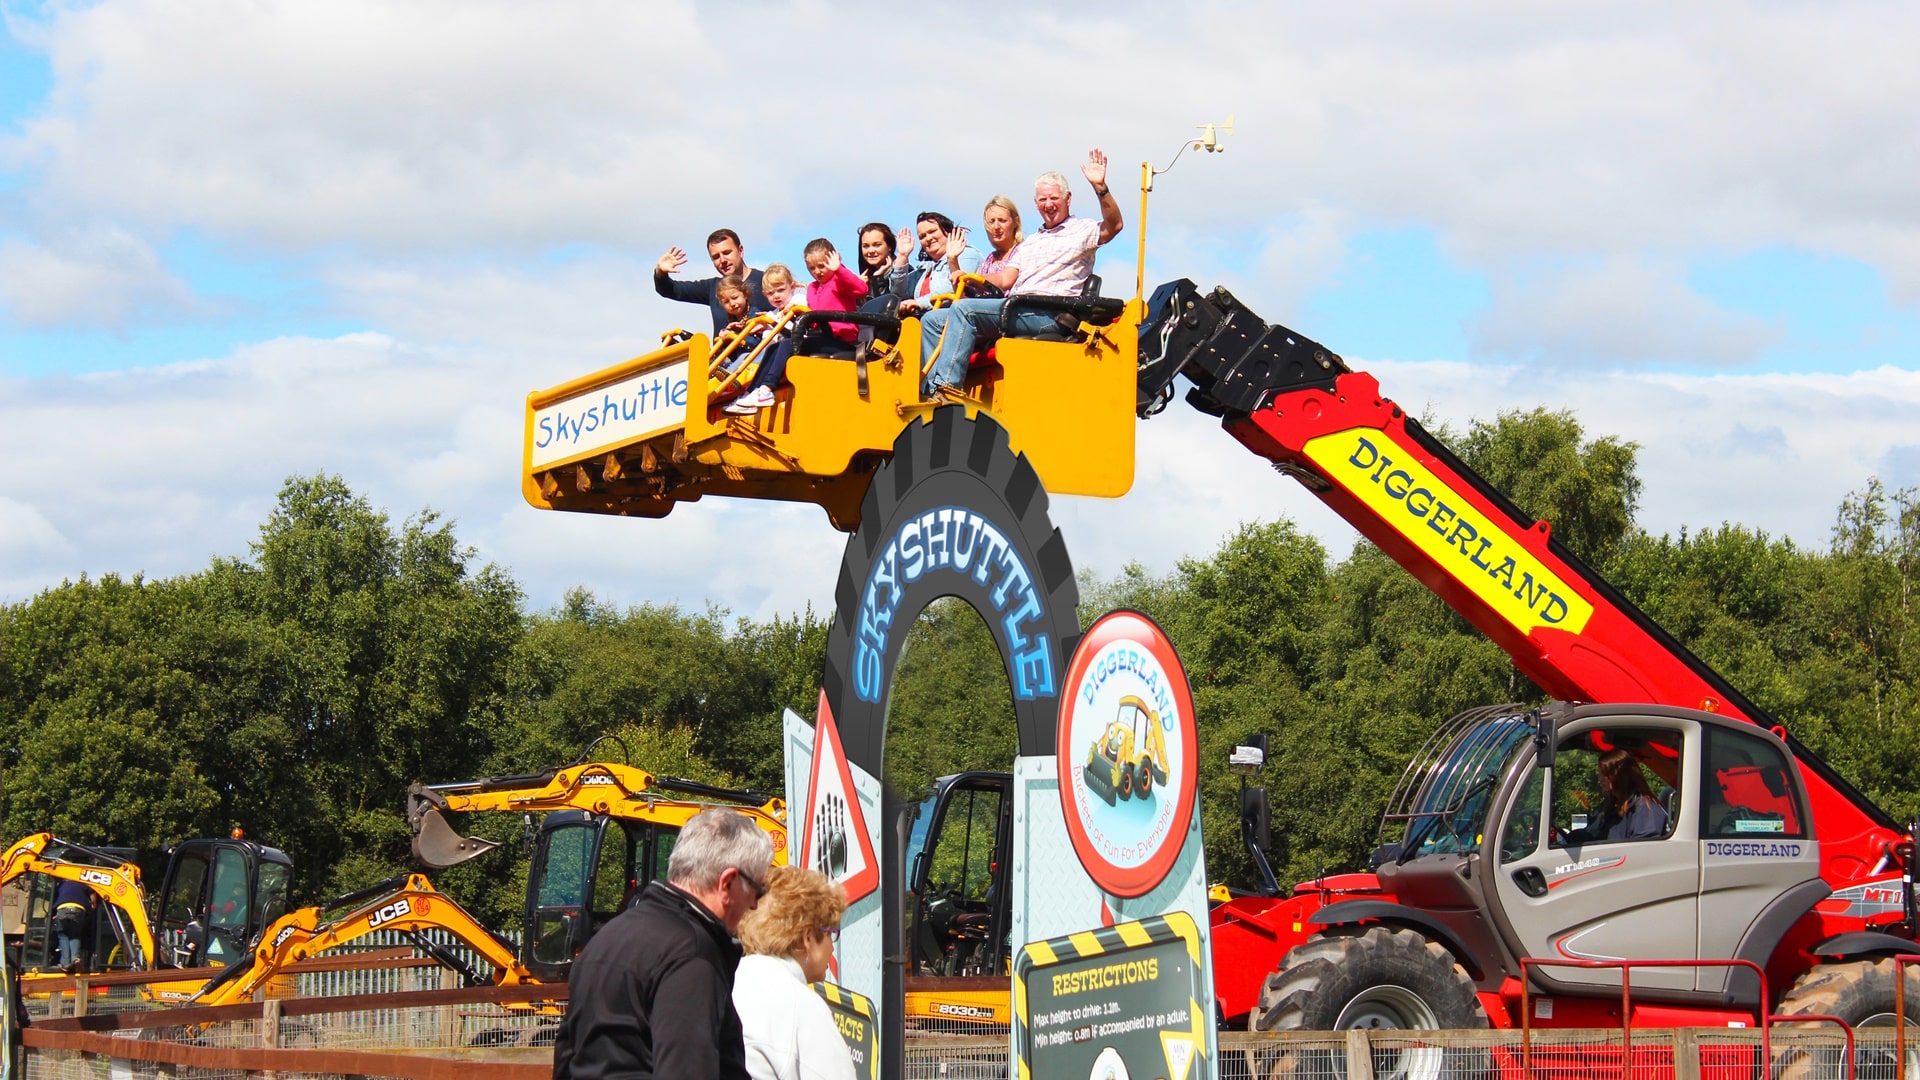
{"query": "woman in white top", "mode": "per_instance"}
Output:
(789, 938)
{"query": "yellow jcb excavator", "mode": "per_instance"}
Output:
(216, 895)
(609, 829)
(408, 904)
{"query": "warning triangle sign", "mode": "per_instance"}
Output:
(1179, 1049)
(834, 840)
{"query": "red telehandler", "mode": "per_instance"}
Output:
(1760, 851)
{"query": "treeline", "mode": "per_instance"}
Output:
(296, 692)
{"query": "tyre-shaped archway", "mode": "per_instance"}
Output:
(954, 513)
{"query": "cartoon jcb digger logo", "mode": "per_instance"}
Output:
(1129, 759)
(1126, 753)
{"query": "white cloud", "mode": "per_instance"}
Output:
(411, 157)
(104, 277)
(1513, 130)
(1623, 311)
(172, 466)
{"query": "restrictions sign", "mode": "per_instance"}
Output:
(1115, 1003)
(853, 1015)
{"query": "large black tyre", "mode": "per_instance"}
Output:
(1383, 979)
(1860, 993)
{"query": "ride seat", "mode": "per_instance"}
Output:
(1070, 311)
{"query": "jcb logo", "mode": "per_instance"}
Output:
(389, 913)
(280, 938)
(597, 778)
(96, 877)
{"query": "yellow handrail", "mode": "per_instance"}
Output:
(775, 323)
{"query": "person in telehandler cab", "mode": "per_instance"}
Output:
(729, 260)
(1055, 260)
(1628, 810)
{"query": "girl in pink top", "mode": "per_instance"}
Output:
(834, 288)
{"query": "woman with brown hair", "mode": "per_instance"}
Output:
(1628, 810)
(789, 938)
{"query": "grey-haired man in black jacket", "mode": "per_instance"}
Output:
(652, 993)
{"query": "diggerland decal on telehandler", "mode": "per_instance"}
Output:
(1445, 525)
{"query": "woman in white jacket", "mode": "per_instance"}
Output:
(789, 938)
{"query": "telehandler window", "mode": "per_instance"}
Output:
(1748, 791)
(1636, 799)
(1522, 835)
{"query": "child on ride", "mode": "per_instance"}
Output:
(834, 288)
(737, 302)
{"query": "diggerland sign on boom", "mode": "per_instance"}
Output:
(1445, 525)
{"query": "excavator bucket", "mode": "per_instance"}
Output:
(437, 846)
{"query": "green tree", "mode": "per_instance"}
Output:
(1541, 461)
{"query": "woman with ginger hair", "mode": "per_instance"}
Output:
(789, 939)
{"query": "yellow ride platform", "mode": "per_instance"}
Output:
(643, 435)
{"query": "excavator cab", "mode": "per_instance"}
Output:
(112, 945)
(216, 897)
(586, 869)
(960, 908)
(642, 436)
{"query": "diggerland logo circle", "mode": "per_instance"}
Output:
(1127, 753)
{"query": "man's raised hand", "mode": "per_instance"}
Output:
(1095, 170)
(671, 262)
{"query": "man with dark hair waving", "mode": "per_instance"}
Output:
(729, 258)
(652, 993)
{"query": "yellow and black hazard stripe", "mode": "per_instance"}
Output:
(1037, 956)
(853, 1015)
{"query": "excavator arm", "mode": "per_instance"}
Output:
(117, 884)
(409, 904)
(1297, 404)
(605, 788)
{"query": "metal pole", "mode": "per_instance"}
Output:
(1626, 1022)
(1526, 1021)
(1900, 1016)
(1140, 260)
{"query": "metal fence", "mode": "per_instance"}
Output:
(391, 980)
(488, 1039)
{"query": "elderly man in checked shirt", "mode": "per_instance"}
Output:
(1054, 260)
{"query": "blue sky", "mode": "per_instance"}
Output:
(238, 243)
